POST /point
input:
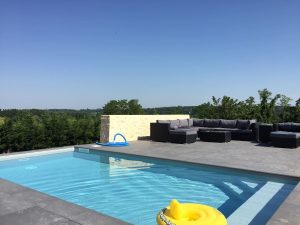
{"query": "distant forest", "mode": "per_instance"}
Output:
(22, 130)
(29, 129)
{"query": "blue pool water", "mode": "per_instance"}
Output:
(134, 189)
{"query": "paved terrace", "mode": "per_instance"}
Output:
(241, 155)
(20, 205)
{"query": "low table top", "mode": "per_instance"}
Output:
(285, 134)
(265, 125)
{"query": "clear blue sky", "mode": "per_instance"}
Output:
(81, 54)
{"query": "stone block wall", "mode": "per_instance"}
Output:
(132, 127)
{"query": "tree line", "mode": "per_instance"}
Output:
(22, 130)
(270, 109)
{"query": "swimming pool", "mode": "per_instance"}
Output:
(134, 189)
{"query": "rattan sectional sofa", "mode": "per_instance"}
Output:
(164, 130)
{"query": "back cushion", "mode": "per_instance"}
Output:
(198, 123)
(190, 122)
(228, 123)
(285, 126)
(174, 124)
(296, 127)
(243, 124)
(211, 123)
(183, 123)
(162, 121)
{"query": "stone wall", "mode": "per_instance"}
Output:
(133, 127)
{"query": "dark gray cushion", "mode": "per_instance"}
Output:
(191, 128)
(228, 123)
(198, 123)
(183, 132)
(211, 123)
(162, 121)
(174, 124)
(243, 124)
(296, 127)
(190, 122)
(285, 126)
(285, 134)
(183, 123)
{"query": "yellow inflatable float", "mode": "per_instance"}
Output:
(190, 214)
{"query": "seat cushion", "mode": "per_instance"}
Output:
(228, 123)
(183, 123)
(284, 134)
(205, 128)
(243, 124)
(183, 132)
(192, 128)
(296, 127)
(211, 123)
(198, 122)
(190, 122)
(189, 128)
(285, 126)
(174, 124)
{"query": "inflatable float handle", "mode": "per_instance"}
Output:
(119, 134)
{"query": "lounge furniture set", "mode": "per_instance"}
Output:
(219, 130)
(214, 130)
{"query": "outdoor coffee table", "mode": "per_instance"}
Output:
(215, 136)
(183, 136)
(284, 139)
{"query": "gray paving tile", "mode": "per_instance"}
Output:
(287, 214)
(93, 218)
(10, 204)
(30, 195)
(61, 207)
(8, 187)
(34, 216)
